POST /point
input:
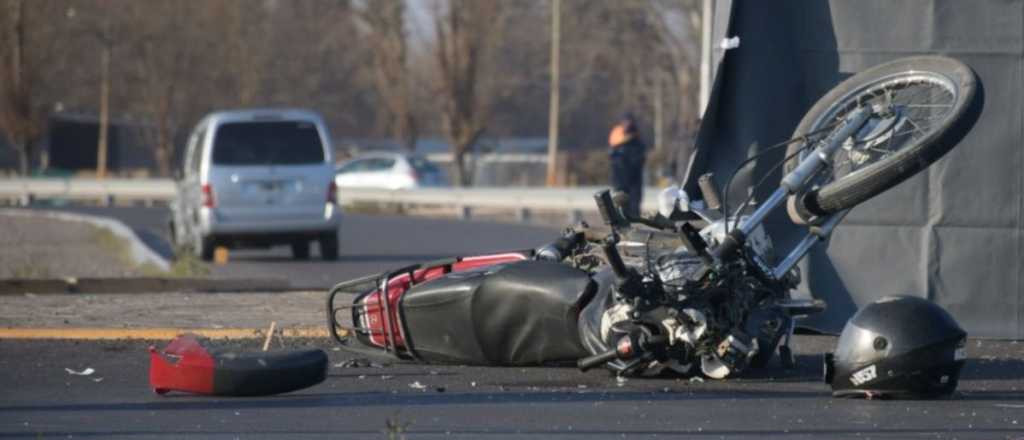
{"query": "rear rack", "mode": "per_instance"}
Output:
(350, 337)
(374, 283)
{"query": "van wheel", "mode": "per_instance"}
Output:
(329, 246)
(300, 250)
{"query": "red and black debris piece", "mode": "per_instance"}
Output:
(186, 364)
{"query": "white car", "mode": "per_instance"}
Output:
(389, 171)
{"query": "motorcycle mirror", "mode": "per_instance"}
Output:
(672, 202)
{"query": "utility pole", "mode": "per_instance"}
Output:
(101, 147)
(707, 15)
(556, 36)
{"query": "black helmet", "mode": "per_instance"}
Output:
(899, 347)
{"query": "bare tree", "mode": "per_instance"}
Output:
(466, 33)
(20, 120)
(163, 53)
(243, 48)
(384, 23)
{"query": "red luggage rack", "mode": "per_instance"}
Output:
(377, 325)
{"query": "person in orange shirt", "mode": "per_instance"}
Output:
(627, 155)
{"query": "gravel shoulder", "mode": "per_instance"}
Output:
(37, 247)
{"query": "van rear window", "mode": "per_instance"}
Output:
(267, 143)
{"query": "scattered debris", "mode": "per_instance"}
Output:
(98, 379)
(386, 377)
(442, 389)
(696, 379)
(85, 372)
(472, 384)
(358, 363)
(620, 380)
(581, 386)
(417, 386)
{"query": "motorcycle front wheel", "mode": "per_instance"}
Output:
(921, 108)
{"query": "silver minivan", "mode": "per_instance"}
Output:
(256, 178)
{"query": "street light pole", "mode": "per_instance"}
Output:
(556, 18)
(101, 147)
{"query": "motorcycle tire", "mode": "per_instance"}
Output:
(938, 84)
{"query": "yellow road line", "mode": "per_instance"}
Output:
(92, 333)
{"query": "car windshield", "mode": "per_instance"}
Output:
(267, 143)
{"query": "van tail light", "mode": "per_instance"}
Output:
(208, 200)
(332, 193)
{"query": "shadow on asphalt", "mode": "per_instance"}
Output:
(177, 402)
(518, 432)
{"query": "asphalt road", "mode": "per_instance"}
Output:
(38, 399)
(369, 244)
(41, 400)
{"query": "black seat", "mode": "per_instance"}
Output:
(521, 313)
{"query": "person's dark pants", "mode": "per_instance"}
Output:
(635, 191)
(627, 173)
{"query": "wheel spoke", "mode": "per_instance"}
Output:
(924, 101)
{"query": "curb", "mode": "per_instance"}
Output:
(141, 254)
(97, 334)
(140, 285)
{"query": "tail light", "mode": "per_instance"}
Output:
(332, 193)
(208, 200)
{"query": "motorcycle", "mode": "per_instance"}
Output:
(697, 288)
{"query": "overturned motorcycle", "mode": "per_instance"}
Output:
(696, 288)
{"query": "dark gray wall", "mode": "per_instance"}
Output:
(953, 233)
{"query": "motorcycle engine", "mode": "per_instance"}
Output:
(725, 325)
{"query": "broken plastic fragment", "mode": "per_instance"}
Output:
(85, 372)
(417, 386)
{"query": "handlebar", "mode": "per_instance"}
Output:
(631, 346)
(615, 261)
(562, 247)
(597, 359)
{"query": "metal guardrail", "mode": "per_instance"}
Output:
(523, 200)
(106, 191)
